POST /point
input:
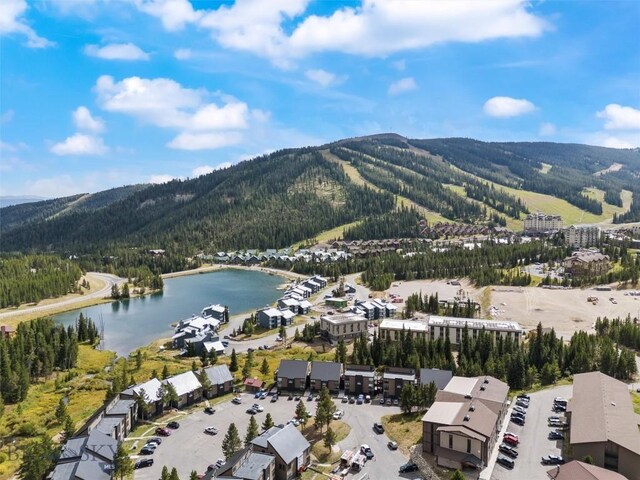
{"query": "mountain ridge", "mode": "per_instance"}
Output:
(294, 194)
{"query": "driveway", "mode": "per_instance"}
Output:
(189, 448)
(533, 438)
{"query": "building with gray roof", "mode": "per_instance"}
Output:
(435, 375)
(187, 386)
(290, 448)
(325, 374)
(292, 375)
(220, 379)
(89, 457)
(245, 465)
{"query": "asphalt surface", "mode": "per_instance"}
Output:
(189, 448)
(534, 443)
(108, 279)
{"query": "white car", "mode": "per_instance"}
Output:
(258, 408)
(338, 414)
(211, 430)
(294, 421)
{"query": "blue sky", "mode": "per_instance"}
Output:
(97, 94)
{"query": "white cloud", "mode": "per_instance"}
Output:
(616, 142)
(52, 187)
(117, 51)
(204, 141)
(505, 107)
(547, 129)
(202, 170)
(619, 117)
(373, 28)
(324, 78)
(174, 14)
(12, 22)
(83, 120)
(80, 144)
(183, 54)
(163, 178)
(167, 104)
(403, 85)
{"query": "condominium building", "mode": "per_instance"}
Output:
(580, 236)
(344, 326)
(539, 222)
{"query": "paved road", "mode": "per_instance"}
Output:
(189, 448)
(108, 279)
(533, 438)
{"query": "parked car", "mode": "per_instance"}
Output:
(518, 420)
(163, 432)
(236, 400)
(360, 400)
(296, 398)
(381, 400)
(389, 402)
(219, 462)
(147, 451)
(263, 395)
(552, 460)
(156, 440)
(396, 402)
(392, 445)
(293, 421)
(518, 415)
(211, 430)
(553, 418)
(145, 462)
(258, 393)
(173, 425)
(522, 403)
(555, 435)
(274, 398)
(251, 411)
(378, 428)
(225, 343)
(513, 441)
(525, 396)
(257, 408)
(310, 398)
(338, 414)
(559, 408)
(345, 399)
(352, 399)
(506, 461)
(408, 467)
(366, 449)
(519, 409)
(511, 434)
(209, 410)
(367, 399)
(290, 397)
(508, 450)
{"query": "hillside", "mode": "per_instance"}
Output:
(292, 195)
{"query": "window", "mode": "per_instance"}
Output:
(468, 445)
(450, 441)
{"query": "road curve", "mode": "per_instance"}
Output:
(108, 279)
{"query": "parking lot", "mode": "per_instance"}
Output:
(534, 443)
(189, 448)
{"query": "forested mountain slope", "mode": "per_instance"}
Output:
(292, 195)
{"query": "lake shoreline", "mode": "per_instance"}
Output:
(216, 267)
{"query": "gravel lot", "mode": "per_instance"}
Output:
(189, 448)
(533, 438)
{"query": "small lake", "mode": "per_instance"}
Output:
(129, 324)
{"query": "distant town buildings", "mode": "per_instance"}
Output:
(581, 236)
(541, 223)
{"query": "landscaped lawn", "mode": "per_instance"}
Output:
(406, 429)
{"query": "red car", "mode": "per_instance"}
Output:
(163, 432)
(510, 440)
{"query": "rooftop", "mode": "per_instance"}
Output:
(184, 382)
(576, 470)
(344, 318)
(435, 320)
(254, 466)
(601, 410)
(413, 325)
(150, 388)
(325, 371)
(218, 374)
(293, 368)
(440, 377)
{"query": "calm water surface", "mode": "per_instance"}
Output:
(129, 324)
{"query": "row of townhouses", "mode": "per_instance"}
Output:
(293, 302)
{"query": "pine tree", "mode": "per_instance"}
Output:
(457, 475)
(252, 431)
(69, 428)
(301, 413)
(37, 459)
(174, 474)
(233, 366)
(193, 475)
(165, 473)
(329, 438)
(165, 372)
(264, 368)
(139, 359)
(61, 411)
(268, 422)
(325, 409)
(231, 442)
(122, 464)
